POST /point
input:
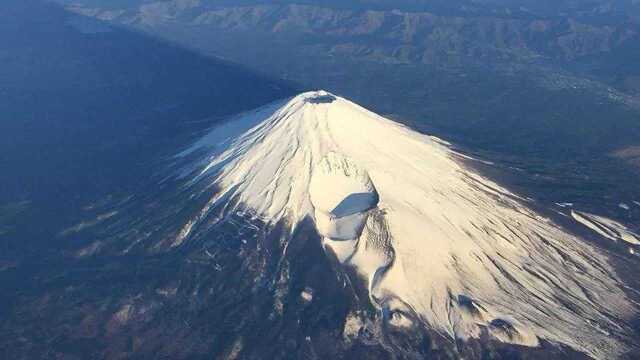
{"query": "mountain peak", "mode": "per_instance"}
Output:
(466, 257)
(318, 97)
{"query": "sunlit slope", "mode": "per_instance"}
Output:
(439, 245)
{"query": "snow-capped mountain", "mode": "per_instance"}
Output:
(437, 246)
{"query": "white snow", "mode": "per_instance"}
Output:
(123, 315)
(607, 228)
(438, 234)
(341, 194)
(565, 204)
(307, 294)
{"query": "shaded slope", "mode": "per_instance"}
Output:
(88, 107)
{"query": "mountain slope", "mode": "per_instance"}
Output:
(314, 228)
(437, 245)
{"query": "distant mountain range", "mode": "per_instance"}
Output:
(549, 83)
(403, 31)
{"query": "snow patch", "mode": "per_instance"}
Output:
(565, 204)
(89, 250)
(87, 224)
(123, 315)
(607, 228)
(352, 326)
(307, 294)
